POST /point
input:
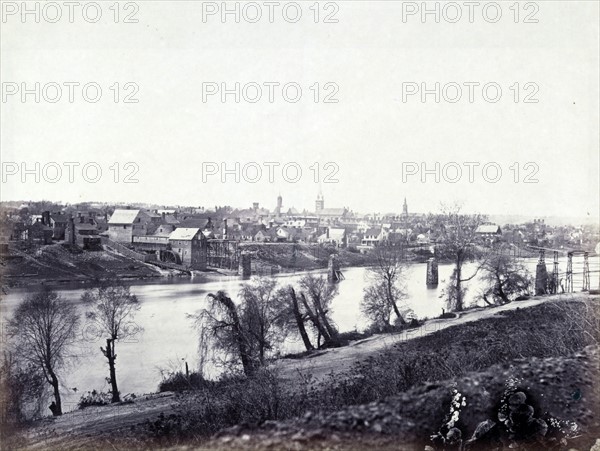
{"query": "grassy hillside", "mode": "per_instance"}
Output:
(402, 395)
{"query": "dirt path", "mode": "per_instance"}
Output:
(71, 430)
(337, 360)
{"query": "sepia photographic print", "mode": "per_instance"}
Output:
(300, 225)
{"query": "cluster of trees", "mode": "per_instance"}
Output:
(249, 331)
(503, 276)
(43, 336)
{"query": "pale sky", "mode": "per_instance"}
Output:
(370, 133)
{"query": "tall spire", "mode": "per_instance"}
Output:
(320, 202)
(279, 205)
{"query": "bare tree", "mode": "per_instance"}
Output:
(457, 243)
(113, 307)
(316, 296)
(386, 290)
(44, 326)
(293, 316)
(223, 322)
(504, 277)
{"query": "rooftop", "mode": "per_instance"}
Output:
(184, 233)
(123, 217)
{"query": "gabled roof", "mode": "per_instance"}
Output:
(488, 228)
(282, 232)
(57, 217)
(123, 216)
(373, 231)
(184, 233)
(170, 219)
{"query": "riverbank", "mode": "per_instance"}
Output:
(98, 427)
(61, 265)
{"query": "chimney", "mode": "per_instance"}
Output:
(255, 206)
(46, 218)
(163, 215)
(224, 229)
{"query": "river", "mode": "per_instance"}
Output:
(168, 338)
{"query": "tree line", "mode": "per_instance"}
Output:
(42, 337)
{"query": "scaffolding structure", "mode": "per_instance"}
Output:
(554, 283)
(222, 254)
(569, 281)
(586, 272)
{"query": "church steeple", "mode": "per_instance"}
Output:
(320, 202)
(279, 205)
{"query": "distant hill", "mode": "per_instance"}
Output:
(550, 220)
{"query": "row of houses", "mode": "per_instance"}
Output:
(81, 228)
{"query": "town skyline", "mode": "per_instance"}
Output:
(506, 217)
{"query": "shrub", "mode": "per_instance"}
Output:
(178, 382)
(94, 398)
(218, 405)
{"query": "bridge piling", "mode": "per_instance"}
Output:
(334, 274)
(432, 273)
(245, 266)
(541, 275)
